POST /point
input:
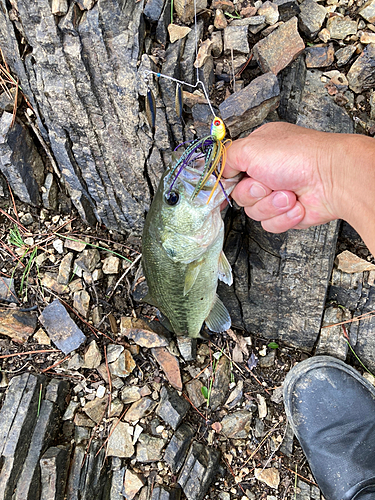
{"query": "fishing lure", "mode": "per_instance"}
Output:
(212, 149)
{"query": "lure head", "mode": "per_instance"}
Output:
(218, 128)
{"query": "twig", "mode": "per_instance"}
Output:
(195, 408)
(233, 474)
(112, 430)
(43, 351)
(109, 380)
(369, 314)
(123, 276)
(299, 475)
(56, 364)
(261, 444)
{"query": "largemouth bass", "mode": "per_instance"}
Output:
(183, 252)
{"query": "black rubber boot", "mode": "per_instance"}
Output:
(331, 409)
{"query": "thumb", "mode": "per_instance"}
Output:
(237, 157)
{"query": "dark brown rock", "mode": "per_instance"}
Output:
(280, 47)
(319, 56)
(249, 107)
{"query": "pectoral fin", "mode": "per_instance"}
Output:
(225, 271)
(218, 319)
(192, 274)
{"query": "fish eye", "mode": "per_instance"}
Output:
(172, 198)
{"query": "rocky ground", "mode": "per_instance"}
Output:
(98, 400)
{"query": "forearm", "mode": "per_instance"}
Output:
(354, 184)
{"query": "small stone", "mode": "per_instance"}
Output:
(41, 337)
(132, 484)
(344, 55)
(311, 18)
(95, 409)
(235, 396)
(92, 357)
(116, 408)
(82, 420)
(111, 265)
(172, 407)
(324, 35)
(58, 245)
(113, 352)
(71, 410)
(236, 425)
(341, 27)
(235, 38)
(248, 11)
(17, 325)
(123, 366)
(220, 21)
(130, 393)
(340, 81)
(319, 56)
(367, 37)
(65, 269)
(170, 366)
(53, 465)
(26, 219)
(7, 292)
(142, 336)
(100, 391)
(140, 409)
(49, 280)
(75, 286)
(361, 75)
(270, 11)
(276, 51)
(187, 347)
(268, 360)
(226, 5)
(204, 53)
(262, 406)
(61, 329)
(87, 261)
(177, 32)
(185, 9)
(81, 302)
(75, 362)
(149, 448)
(368, 11)
(250, 21)
(269, 476)
(194, 390)
(120, 440)
(250, 106)
(220, 386)
(347, 262)
(76, 245)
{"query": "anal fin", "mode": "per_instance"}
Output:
(218, 319)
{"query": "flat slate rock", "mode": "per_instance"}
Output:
(60, 327)
(198, 471)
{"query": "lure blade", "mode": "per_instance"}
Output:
(150, 108)
(179, 101)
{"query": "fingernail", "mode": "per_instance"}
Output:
(280, 200)
(295, 212)
(258, 191)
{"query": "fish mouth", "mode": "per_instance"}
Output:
(190, 177)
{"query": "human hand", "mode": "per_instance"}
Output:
(289, 176)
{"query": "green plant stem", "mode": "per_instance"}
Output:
(357, 358)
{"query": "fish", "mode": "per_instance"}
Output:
(182, 250)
